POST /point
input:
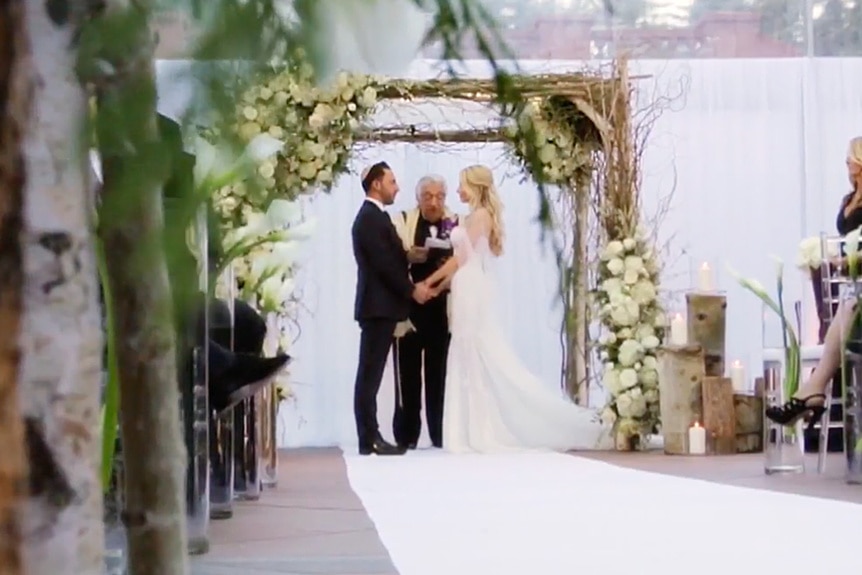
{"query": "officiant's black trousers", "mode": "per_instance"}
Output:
(417, 352)
(375, 342)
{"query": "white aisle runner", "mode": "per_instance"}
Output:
(555, 514)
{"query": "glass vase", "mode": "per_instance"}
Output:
(268, 436)
(783, 446)
(853, 421)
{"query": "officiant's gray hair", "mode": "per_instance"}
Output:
(430, 179)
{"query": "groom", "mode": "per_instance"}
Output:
(383, 295)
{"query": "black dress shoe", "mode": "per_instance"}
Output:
(238, 376)
(381, 447)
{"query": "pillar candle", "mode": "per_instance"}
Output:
(696, 439)
(704, 278)
(737, 377)
(678, 330)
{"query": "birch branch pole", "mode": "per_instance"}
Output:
(14, 115)
(131, 226)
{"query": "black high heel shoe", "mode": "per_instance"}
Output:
(795, 409)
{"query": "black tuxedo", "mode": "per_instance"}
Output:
(383, 295)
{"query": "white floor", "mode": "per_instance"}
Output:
(554, 514)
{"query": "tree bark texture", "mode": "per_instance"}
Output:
(61, 342)
(131, 226)
(680, 376)
(14, 115)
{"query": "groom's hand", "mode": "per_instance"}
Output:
(421, 293)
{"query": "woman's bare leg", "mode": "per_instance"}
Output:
(830, 361)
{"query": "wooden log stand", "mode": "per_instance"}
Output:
(748, 410)
(681, 373)
(707, 325)
(719, 417)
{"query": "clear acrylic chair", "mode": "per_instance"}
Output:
(835, 285)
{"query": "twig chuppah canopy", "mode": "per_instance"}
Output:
(570, 131)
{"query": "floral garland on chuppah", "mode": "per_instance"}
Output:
(634, 325)
(310, 133)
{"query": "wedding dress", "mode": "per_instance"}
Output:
(492, 402)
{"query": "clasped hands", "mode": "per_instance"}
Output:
(424, 292)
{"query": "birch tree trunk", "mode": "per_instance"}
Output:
(14, 114)
(131, 228)
(61, 369)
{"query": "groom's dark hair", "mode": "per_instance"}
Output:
(373, 174)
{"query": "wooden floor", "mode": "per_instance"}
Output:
(312, 522)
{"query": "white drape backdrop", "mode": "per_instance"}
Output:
(750, 152)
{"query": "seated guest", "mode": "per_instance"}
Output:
(810, 398)
(236, 368)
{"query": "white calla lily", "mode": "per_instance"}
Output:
(283, 213)
(302, 231)
(262, 147)
(218, 166)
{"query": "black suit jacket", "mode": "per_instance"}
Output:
(383, 287)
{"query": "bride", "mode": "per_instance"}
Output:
(492, 402)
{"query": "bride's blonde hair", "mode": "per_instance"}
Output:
(478, 180)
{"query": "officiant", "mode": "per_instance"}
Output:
(422, 342)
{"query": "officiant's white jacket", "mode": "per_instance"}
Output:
(405, 224)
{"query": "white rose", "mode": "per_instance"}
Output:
(650, 342)
(626, 313)
(276, 132)
(624, 333)
(634, 263)
(629, 352)
(307, 171)
(547, 153)
(638, 406)
(266, 170)
(608, 338)
(643, 292)
(613, 287)
(624, 405)
(324, 176)
(650, 362)
(629, 244)
(651, 396)
(612, 250)
(630, 277)
(628, 378)
(611, 381)
(616, 266)
(249, 113)
(281, 98)
(608, 416)
(368, 98)
(648, 377)
(265, 94)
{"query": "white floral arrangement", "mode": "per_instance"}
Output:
(542, 134)
(633, 325)
(810, 255)
(316, 125)
(264, 255)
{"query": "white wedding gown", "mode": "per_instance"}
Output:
(492, 402)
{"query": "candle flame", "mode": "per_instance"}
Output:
(704, 266)
(696, 424)
(677, 316)
(737, 363)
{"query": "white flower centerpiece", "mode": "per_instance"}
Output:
(633, 325)
(810, 254)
